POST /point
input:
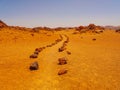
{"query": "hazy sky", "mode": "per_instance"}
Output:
(55, 13)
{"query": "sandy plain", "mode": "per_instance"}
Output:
(92, 65)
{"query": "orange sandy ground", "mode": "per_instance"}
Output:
(92, 65)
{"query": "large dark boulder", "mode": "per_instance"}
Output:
(34, 66)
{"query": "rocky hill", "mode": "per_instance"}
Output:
(2, 24)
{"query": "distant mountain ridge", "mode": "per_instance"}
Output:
(112, 27)
(2, 24)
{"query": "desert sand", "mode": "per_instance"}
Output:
(92, 64)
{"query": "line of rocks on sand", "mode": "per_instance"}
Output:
(61, 61)
(35, 65)
(38, 50)
(63, 47)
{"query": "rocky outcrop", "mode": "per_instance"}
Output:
(2, 24)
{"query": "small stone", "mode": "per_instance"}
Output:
(62, 71)
(34, 66)
(34, 56)
(62, 61)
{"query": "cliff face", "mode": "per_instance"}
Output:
(2, 24)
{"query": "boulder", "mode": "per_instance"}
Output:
(39, 49)
(62, 61)
(49, 45)
(68, 52)
(34, 66)
(94, 39)
(34, 56)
